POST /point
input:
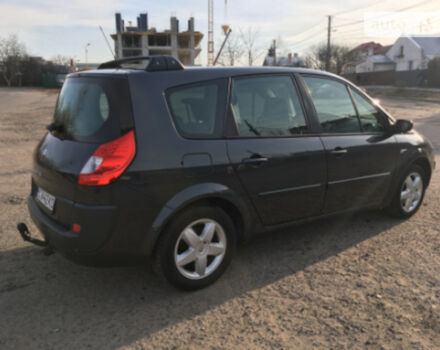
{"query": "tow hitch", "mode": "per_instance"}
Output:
(25, 234)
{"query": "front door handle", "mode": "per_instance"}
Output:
(255, 160)
(339, 152)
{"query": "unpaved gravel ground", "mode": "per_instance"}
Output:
(364, 282)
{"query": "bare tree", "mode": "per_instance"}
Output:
(339, 56)
(61, 60)
(12, 53)
(316, 57)
(232, 52)
(249, 39)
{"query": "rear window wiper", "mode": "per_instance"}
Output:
(56, 130)
(54, 127)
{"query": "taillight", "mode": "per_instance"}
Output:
(109, 161)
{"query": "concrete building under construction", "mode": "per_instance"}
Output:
(140, 40)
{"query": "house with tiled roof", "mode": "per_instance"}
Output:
(361, 54)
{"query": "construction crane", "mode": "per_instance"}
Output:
(225, 27)
(210, 32)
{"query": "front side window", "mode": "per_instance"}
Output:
(333, 105)
(267, 107)
(198, 110)
(369, 115)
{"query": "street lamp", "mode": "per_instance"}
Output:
(88, 44)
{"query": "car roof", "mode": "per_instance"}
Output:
(165, 79)
(205, 72)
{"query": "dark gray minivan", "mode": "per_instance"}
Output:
(146, 158)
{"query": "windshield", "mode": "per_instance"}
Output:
(92, 110)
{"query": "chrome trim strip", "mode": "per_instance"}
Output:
(359, 178)
(289, 189)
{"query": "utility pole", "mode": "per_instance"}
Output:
(274, 46)
(329, 30)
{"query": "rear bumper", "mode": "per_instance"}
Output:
(90, 246)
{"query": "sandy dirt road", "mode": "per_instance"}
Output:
(365, 282)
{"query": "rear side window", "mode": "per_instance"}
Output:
(198, 110)
(94, 110)
(267, 107)
(333, 105)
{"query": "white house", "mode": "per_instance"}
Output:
(411, 52)
(375, 63)
(408, 53)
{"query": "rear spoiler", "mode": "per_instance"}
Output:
(147, 63)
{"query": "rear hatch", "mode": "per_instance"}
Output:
(91, 111)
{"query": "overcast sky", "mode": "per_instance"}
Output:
(49, 27)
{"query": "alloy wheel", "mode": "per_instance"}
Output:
(200, 249)
(411, 192)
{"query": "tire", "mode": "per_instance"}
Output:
(405, 207)
(183, 239)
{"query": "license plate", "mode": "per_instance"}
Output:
(46, 199)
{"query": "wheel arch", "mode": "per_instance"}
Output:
(426, 166)
(202, 194)
(421, 161)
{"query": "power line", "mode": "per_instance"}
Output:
(305, 41)
(306, 46)
(357, 37)
(359, 30)
(400, 10)
(320, 32)
(348, 11)
(306, 30)
(359, 8)
(339, 13)
(309, 37)
(320, 23)
(350, 31)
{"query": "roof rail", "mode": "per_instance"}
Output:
(153, 63)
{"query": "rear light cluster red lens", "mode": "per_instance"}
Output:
(109, 161)
(76, 227)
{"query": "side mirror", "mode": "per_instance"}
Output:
(402, 126)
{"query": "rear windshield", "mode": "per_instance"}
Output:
(94, 110)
